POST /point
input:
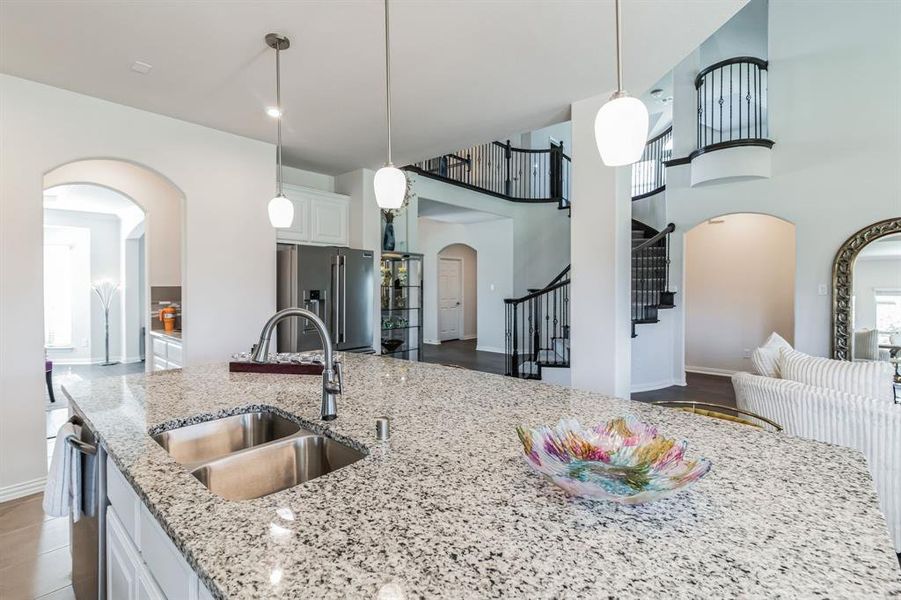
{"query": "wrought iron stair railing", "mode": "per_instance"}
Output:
(650, 273)
(649, 173)
(502, 170)
(537, 329)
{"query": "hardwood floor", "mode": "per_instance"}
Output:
(463, 353)
(714, 389)
(34, 552)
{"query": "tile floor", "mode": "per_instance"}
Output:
(34, 552)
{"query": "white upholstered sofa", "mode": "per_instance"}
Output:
(820, 412)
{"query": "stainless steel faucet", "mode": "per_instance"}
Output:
(331, 372)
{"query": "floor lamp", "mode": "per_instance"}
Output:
(105, 290)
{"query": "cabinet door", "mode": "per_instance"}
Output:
(174, 355)
(159, 364)
(328, 221)
(300, 228)
(159, 346)
(122, 562)
(147, 589)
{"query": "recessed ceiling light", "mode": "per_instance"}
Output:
(141, 67)
(273, 112)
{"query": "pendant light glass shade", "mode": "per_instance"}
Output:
(621, 125)
(390, 185)
(281, 211)
(621, 130)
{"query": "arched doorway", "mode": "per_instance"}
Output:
(457, 291)
(108, 224)
(739, 288)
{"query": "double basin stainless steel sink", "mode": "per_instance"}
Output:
(254, 454)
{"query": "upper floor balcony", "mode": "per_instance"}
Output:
(502, 170)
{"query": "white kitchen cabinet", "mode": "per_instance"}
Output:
(142, 562)
(122, 560)
(168, 352)
(319, 217)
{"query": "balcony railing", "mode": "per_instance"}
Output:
(649, 173)
(499, 169)
(732, 104)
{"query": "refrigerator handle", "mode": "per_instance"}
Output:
(336, 292)
(343, 299)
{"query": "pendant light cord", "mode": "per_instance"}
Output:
(278, 105)
(388, 78)
(619, 51)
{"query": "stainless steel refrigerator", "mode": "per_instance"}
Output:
(335, 283)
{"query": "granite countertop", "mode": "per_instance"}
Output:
(449, 508)
(175, 335)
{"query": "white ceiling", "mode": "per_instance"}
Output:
(464, 71)
(83, 197)
(450, 213)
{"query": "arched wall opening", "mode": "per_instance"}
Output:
(457, 292)
(739, 274)
(152, 247)
(93, 235)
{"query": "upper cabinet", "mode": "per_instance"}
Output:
(319, 217)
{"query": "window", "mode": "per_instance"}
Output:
(888, 313)
(58, 295)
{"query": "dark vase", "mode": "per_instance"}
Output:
(388, 239)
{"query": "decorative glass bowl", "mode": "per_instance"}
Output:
(624, 461)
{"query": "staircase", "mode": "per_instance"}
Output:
(537, 329)
(650, 274)
(537, 325)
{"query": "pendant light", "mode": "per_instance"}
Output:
(281, 209)
(621, 125)
(390, 183)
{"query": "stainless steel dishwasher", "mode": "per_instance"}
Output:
(88, 534)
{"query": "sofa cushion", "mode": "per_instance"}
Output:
(766, 358)
(870, 379)
(866, 344)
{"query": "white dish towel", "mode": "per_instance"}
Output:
(62, 495)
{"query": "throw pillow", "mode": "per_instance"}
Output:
(766, 358)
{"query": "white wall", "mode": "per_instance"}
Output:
(541, 232)
(492, 241)
(871, 274)
(739, 288)
(105, 255)
(601, 263)
(469, 262)
(229, 257)
(310, 179)
(835, 162)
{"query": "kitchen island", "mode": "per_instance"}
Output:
(448, 507)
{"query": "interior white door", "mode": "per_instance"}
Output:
(450, 298)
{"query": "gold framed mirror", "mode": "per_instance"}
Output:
(866, 308)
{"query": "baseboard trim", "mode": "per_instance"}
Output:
(481, 348)
(654, 385)
(431, 342)
(20, 490)
(471, 336)
(710, 371)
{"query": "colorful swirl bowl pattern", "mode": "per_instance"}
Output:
(624, 461)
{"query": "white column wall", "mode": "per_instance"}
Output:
(601, 255)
